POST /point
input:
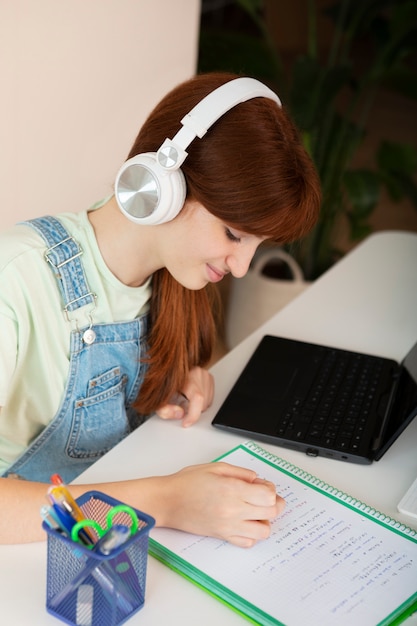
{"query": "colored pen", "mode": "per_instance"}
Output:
(59, 494)
(66, 509)
(65, 519)
(49, 516)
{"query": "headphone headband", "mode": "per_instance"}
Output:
(150, 188)
(210, 109)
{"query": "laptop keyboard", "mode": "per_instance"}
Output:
(334, 411)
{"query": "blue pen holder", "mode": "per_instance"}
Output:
(86, 588)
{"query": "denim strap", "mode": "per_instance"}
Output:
(63, 256)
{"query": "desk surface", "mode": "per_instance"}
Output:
(367, 302)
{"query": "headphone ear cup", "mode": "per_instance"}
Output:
(147, 193)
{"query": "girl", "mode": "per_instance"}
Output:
(106, 315)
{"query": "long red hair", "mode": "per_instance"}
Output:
(252, 172)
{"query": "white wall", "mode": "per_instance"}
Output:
(77, 79)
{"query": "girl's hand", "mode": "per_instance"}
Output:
(192, 400)
(222, 501)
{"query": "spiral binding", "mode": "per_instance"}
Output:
(352, 502)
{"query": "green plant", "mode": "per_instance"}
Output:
(331, 100)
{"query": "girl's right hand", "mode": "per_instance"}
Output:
(222, 501)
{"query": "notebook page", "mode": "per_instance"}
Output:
(323, 564)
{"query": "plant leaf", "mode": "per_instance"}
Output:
(403, 80)
(253, 7)
(362, 188)
(304, 92)
(235, 52)
(397, 157)
(358, 229)
(409, 188)
(399, 185)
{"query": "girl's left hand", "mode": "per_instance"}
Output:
(192, 400)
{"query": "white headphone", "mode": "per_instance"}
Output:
(150, 188)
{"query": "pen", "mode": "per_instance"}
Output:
(61, 521)
(112, 539)
(65, 520)
(66, 509)
(59, 494)
(49, 516)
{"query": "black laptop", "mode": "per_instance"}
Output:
(320, 400)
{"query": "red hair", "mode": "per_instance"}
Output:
(252, 172)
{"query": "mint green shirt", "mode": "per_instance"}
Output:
(34, 329)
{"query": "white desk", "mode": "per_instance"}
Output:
(367, 302)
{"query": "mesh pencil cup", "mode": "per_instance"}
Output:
(86, 588)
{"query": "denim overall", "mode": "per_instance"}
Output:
(105, 374)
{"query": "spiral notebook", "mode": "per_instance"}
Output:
(330, 559)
